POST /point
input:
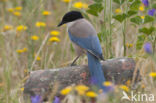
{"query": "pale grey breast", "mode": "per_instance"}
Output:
(82, 28)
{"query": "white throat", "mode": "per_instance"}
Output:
(70, 24)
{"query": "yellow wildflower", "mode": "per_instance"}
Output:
(124, 87)
(25, 49)
(66, 90)
(21, 50)
(16, 13)
(21, 28)
(128, 82)
(142, 8)
(38, 58)
(91, 94)
(143, 86)
(45, 13)
(107, 83)
(152, 74)
(142, 17)
(55, 33)
(25, 70)
(22, 89)
(118, 10)
(40, 24)
(66, 1)
(7, 28)
(19, 8)
(81, 89)
(34, 37)
(54, 39)
(10, 9)
(129, 45)
(84, 5)
(80, 5)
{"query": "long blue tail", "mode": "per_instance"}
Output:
(96, 70)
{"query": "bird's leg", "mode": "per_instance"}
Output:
(73, 63)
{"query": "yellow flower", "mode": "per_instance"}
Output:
(152, 74)
(118, 10)
(54, 39)
(107, 83)
(80, 5)
(129, 45)
(25, 49)
(38, 58)
(66, 1)
(16, 13)
(81, 89)
(84, 5)
(10, 10)
(19, 8)
(142, 86)
(66, 90)
(34, 37)
(142, 8)
(22, 89)
(40, 24)
(124, 87)
(91, 94)
(21, 28)
(55, 33)
(25, 70)
(128, 82)
(21, 50)
(7, 28)
(142, 17)
(45, 13)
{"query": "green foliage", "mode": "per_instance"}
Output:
(95, 8)
(98, 1)
(140, 41)
(131, 13)
(100, 35)
(137, 20)
(147, 31)
(119, 1)
(130, 0)
(148, 19)
(154, 6)
(120, 17)
(135, 5)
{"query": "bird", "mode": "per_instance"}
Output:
(85, 40)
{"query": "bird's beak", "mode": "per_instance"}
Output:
(61, 23)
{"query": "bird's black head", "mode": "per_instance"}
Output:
(70, 16)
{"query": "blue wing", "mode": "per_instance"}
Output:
(90, 44)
